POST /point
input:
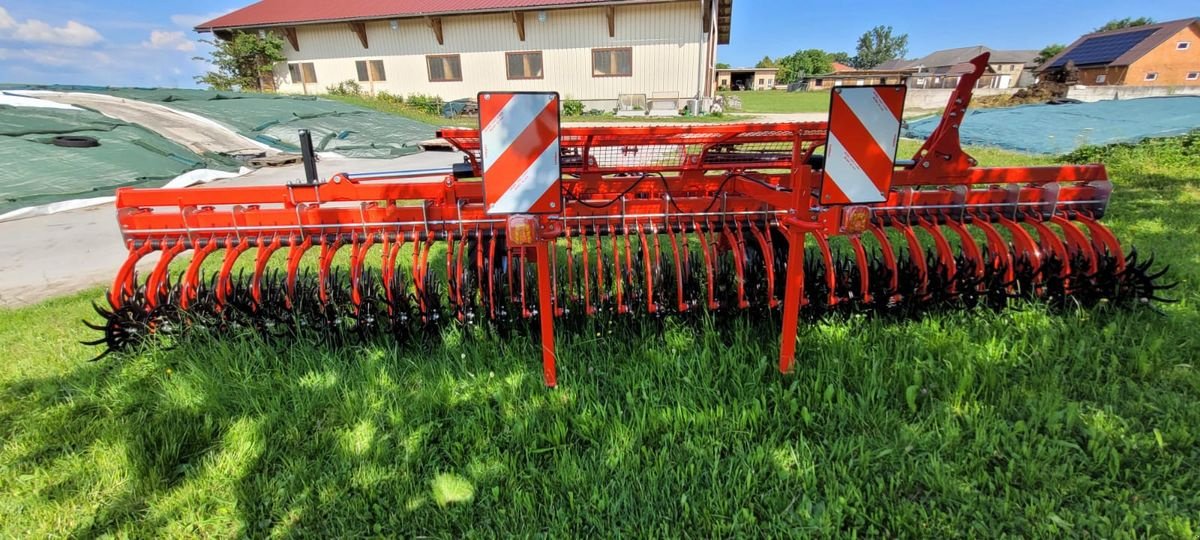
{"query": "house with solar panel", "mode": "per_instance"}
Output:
(1164, 54)
(602, 52)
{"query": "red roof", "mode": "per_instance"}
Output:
(839, 67)
(280, 12)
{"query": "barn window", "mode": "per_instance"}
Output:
(1194, 75)
(370, 70)
(612, 62)
(302, 73)
(1183, 45)
(524, 65)
(1152, 76)
(1101, 78)
(444, 67)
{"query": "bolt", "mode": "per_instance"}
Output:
(926, 164)
(553, 205)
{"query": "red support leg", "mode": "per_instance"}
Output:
(546, 314)
(791, 299)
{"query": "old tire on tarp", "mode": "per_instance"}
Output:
(75, 141)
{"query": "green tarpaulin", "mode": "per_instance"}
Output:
(35, 171)
(275, 119)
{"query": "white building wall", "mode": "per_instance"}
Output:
(669, 51)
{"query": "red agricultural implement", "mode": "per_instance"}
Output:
(551, 225)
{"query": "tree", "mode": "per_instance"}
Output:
(1127, 22)
(878, 45)
(242, 61)
(1050, 51)
(800, 63)
(766, 62)
(722, 65)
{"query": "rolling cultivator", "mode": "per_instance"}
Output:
(558, 226)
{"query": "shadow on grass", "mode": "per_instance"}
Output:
(887, 426)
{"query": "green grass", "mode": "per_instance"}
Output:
(1024, 423)
(780, 101)
(412, 113)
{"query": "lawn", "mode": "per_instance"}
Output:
(780, 101)
(1022, 422)
(406, 111)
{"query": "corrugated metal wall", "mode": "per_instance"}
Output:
(667, 41)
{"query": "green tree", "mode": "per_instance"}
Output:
(1127, 22)
(878, 45)
(766, 62)
(800, 63)
(1050, 51)
(841, 57)
(722, 65)
(241, 61)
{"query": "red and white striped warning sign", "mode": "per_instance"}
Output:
(519, 134)
(860, 153)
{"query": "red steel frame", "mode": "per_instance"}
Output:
(677, 189)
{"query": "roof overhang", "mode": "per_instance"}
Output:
(724, 15)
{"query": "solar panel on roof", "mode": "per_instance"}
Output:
(1103, 49)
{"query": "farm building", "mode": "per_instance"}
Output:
(939, 69)
(591, 50)
(746, 78)
(1164, 54)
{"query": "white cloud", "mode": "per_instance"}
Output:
(162, 39)
(72, 34)
(57, 57)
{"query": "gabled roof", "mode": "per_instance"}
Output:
(839, 67)
(266, 13)
(891, 65)
(944, 60)
(1118, 47)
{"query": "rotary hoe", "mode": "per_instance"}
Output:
(543, 226)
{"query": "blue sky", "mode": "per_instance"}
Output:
(150, 42)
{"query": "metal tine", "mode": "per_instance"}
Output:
(125, 284)
(156, 290)
(679, 294)
(708, 263)
(830, 270)
(945, 253)
(225, 275)
(295, 253)
(646, 263)
(260, 265)
(585, 270)
(864, 269)
(768, 255)
(191, 277)
(328, 250)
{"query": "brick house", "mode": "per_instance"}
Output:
(1164, 54)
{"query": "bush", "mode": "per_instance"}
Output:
(345, 88)
(427, 104)
(388, 97)
(572, 107)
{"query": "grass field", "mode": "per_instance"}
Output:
(401, 109)
(1026, 423)
(780, 101)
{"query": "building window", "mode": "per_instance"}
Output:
(370, 70)
(524, 65)
(304, 73)
(444, 67)
(1183, 45)
(762, 82)
(1193, 75)
(1152, 76)
(612, 62)
(1101, 78)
